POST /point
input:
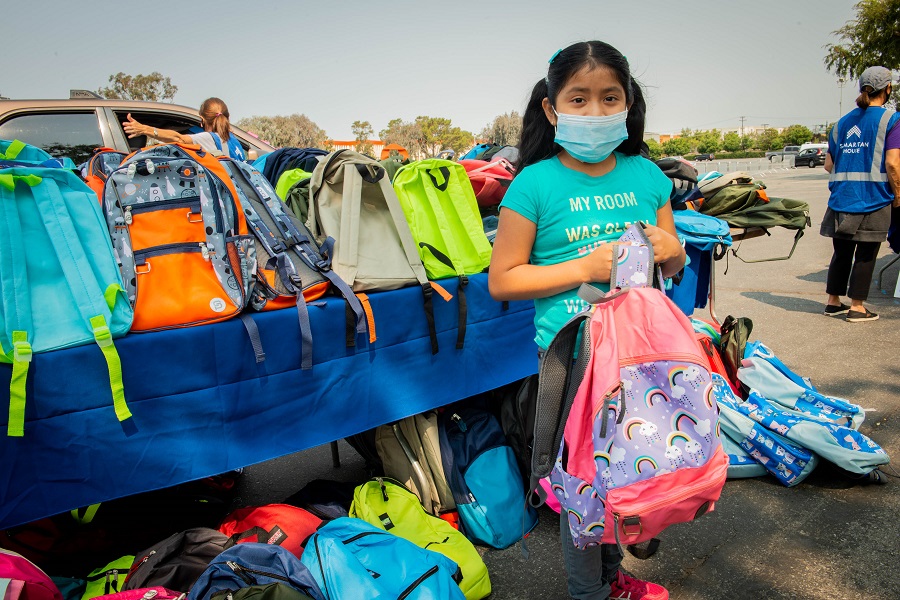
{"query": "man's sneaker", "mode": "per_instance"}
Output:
(625, 587)
(855, 316)
(833, 311)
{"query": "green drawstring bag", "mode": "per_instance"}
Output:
(109, 579)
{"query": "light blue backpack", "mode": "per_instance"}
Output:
(59, 283)
(350, 558)
(16, 153)
(752, 448)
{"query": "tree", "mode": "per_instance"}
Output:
(677, 146)
(440, 134)
(362, 131)
(731, 142)
(503, 130)
(153, 87)
(408, 135)
(794, 135)
(872, 38)
(769, 140)
(293, 131)
(708, 141)
(655, 149)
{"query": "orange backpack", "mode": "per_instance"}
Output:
(98, 167)
(180, 237)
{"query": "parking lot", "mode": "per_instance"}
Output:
(830, 537)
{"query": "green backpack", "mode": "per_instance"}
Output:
(109, 579)
(388, 505)
(778, 212)
(440, 207)
(293, 189)
(731, 198)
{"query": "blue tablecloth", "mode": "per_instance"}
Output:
(203, 406)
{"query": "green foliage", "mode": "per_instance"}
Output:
(740, 154)
(440, 134)
(794, 135)
(153, 87)
(769, 140)
(872, 38)
(677, 146)
(708, 141)
(731, 142)
(503, 130)
(656, 151)
(408, 135)
(362, 131)
(293, 131)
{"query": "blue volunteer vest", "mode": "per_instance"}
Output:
(858, 181)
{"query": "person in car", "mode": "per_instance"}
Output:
(864, 161)
(215, 137)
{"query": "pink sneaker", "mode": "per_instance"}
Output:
(625, 587)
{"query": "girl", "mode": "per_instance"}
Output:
(581, 181)
(216, 131)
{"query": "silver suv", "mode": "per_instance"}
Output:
(74, 127)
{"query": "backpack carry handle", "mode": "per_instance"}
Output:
(445, 173)
(370, 173)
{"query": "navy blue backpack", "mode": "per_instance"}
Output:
(281, 160)
(352, 559)
(254, 564)
(484, 477)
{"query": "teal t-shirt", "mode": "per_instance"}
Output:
(574, 213)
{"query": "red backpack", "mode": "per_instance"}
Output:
(26, 580)
(280, 524)
(489, 179)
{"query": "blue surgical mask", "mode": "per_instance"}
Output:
(590, 139)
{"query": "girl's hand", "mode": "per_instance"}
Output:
(597, 265)
(132, 127)
(665, 245)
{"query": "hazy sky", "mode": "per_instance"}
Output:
(704, 64)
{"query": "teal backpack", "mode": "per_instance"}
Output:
(59, 283)
(18, 153)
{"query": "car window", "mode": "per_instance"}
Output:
(178, 123)
(72, 134)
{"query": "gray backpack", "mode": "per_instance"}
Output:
(352, 201)
(410, 451)
(177, 561)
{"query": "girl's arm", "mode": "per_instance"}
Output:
(667, 250)
(134, 129)
(511, 277)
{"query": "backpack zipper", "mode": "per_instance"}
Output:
(679, 356)
(246, 573)
(618, 388)
(133, 209)
(418, 582)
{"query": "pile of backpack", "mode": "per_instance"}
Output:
(446, 481)
(171, 236)
(776, 422)
(735, 198)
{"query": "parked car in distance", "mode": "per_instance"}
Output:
(75, 126)
(810, 157)
(781, 154)
(705, 156)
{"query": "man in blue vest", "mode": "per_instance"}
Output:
(864, 161)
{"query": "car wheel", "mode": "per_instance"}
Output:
(812, 164)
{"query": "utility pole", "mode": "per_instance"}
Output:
(742, 132)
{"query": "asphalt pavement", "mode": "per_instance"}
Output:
(830, 537)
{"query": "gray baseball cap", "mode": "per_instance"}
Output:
(877, 78)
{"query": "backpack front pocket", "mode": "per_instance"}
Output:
(170, 222)
(177, 283)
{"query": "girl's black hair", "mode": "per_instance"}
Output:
(536, 140)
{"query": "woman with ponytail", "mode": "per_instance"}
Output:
(215, 136)
(581, 182)
(864, 161)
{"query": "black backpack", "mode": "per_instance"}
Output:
(177, 561)
(517, 409)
